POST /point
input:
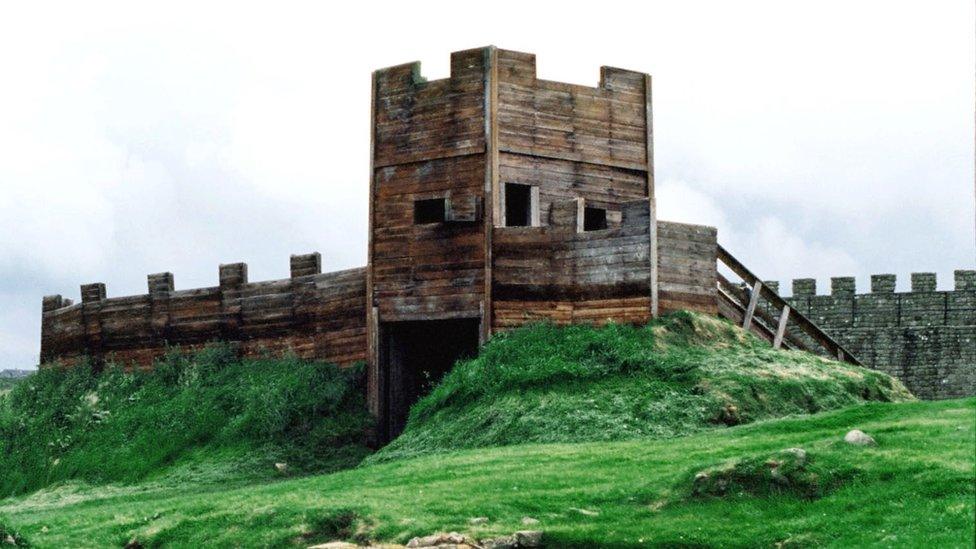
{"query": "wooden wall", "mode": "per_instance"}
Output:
(687, 268)
(315, 316)
(559, 274)
(429, 142)
(570, 140)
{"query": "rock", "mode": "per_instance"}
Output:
(282, 467)
(529, 521)
(856, 436)
(9, 540)
(478, 520)
(586, 512)
(798, 453)
(335, 545)
(757, 475)
(436, 540)
(502, 542)
(529, 538)
(133, 544)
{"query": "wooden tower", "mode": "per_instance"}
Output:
(455, 160)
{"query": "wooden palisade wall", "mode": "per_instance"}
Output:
(312, 315)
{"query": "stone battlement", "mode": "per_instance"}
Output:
(964, 280)
(926, 337)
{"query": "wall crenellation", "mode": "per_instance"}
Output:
(964, 280)
(925, 336)
(230, 276)
(312, 314)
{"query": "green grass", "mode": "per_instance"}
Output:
(207, 416)
(674, 435)
(682, 374)
(915, 489)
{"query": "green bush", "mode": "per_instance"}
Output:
(114, 425)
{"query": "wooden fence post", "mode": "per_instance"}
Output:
(781, 329)
(753, 301)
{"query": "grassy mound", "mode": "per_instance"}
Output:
(205, 416)
(683, 373)
(787, 472)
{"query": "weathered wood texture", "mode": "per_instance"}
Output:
(605, 125)
(557, 273)
(429, 143)
(316, 316)
(418, 120)
(572, 141)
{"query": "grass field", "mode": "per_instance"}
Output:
(915, 489)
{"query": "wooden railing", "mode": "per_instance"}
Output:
(742, 306)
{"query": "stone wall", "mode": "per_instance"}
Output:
(925, 337)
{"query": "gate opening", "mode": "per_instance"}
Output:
(414, 356)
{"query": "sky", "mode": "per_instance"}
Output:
(821, 138)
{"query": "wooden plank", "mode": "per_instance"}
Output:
(491, 186)
(753, 301)
(372, 325)
(781, 329)
(811, 329)
(651, 199)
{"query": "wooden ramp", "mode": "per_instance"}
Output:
(756, 307)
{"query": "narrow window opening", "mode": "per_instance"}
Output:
(431, 210)
(594, 219)
(518, 205)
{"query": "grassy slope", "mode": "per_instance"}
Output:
(915, 489)
(208, 414)
(683, 374)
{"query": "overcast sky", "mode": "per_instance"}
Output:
(821, 138)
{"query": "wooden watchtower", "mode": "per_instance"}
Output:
(453, 162)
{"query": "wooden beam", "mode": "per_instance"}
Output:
(832, 347)
(781, 330)
(580, 213)
(753, 301)
(491, 189)
(535, 215)
(651, 200)
(735, 297)
(373, 400)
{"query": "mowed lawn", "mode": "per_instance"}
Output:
(915, 489)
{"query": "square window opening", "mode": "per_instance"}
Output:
(431, 210)
(594, 219)
(518, 205)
